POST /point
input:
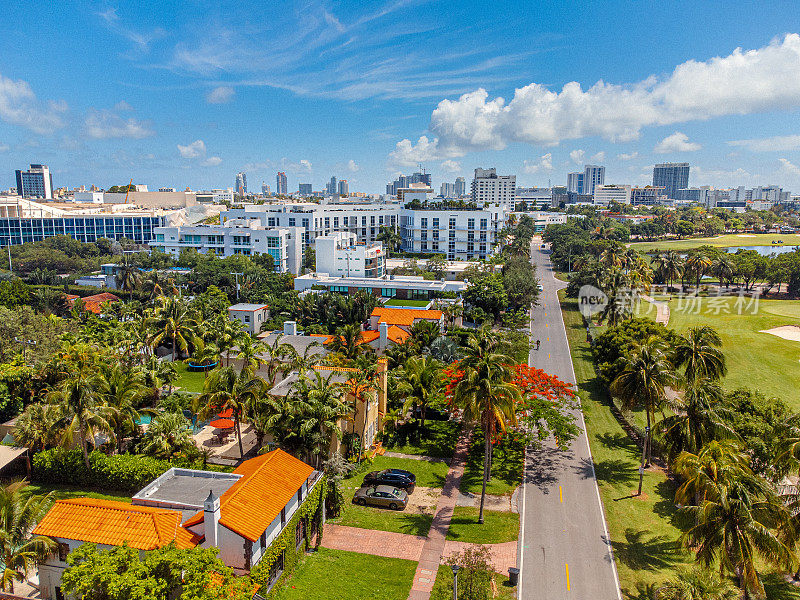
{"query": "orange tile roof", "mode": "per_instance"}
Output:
(397, 335)
(92, 303)
(114, 523)
(404, 316)
(267, 484)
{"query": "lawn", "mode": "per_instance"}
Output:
(410, 521)
(437, 439)
(756, 360)
(722, 241)
(443, 587)
(189, 381)
(506, 467)
(64, 492)
(408, 303)
(644, 531)
(335, 574)
(498, 526)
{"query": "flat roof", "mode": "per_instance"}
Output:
(184, 488)
(397, 283)
(244, 306)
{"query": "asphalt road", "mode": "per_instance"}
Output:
(564, 550)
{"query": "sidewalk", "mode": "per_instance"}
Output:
(434, 546)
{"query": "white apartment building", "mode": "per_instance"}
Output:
(340, 255)
(488, 188)
(237, 236)
(365, 220)
(460, 234)
(593, 175)
(605, 194)
(538, 198)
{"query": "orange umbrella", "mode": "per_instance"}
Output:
(226, 414)
(222, 423)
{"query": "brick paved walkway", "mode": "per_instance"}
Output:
(434, 546)
(371, 541)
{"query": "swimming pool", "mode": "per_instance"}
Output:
(144, 420)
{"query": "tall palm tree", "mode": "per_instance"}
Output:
(39, 427)
(167, 434)
(129, 278)
(486, 393)
(347, 341)
(646, 372)
(250, 353)
(697, 418)
(697, 584)
(19, 514)
(699, 263)
(226, 389)
(391, 238)
(698, 352)
(724, 268)
(278, 358)
(120, 390)
(423, 379)
(157, 283)
(156, 373)
(671, 266)
(204, 354)
(174, 322)
(703, 472)
(83, 411)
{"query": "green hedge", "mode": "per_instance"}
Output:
(125, 472)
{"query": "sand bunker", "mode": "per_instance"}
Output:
(787, 332)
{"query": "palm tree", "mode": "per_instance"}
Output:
(19, 514)
(279, 357)
(85, 415)
(698, 352)
(703, 472)
(361, 386)
(424, 332)
(486, 393)
(699, 263)
(172, 322)
(156, 373)
(697, 584)
(158, 283)
(423, 379)
(670, 266)
(129, 278)
(167, 434)
(390, 238)
(120, 390)
(204, 354)
(723, 268)
(645, 374)
(697, 418)
(347, 341)
(249, 353)
(39, 427)
(224, 389)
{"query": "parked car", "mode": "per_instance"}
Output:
(431, 414)
(381, 495)
(398, 478)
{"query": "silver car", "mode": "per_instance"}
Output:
(381, 495)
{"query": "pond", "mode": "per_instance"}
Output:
(762, 250)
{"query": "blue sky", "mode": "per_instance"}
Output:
(192, 92)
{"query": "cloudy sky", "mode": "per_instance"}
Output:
(191, 93)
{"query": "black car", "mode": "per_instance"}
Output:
(405, 480)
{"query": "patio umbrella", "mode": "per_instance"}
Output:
(222, 423)
(226, 414)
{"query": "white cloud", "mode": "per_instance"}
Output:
(352, 166)
(544, 164)
(677, 142)
(789, 167)
(212, 161)
(778, 143)
(220, 95)
(577, 156)
(4, 147)
(451, 166)
(106, 124)
(305, 166)
(406, 154)
(744, 82)
(598, 157)
(719, 177)
(19, 106)
(629, 156)
(194, 150)
(122, 105)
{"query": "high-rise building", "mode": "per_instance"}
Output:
(672, 177)
(593, 175)
(447, 190)
(344, 188)
(575, 183)
(331, 188)
(460, 187)
(264, 189)
(281, 186)
(405, 181)
(36, 182)
(306, 189)
(241, 184)
(489, 187)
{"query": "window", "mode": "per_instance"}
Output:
(299, 533)
(59, 594)
(336, 221)
(63, 550)
(292, 221)
(424, 223)
(283, 517)
(483, 223)
(247, 318)
(452, 224)
(470, 223)
(264, 541)
(436, 223)
(276, 570)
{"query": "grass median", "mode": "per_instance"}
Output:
(498, 526)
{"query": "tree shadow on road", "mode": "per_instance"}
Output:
(641, 553)
(613, 471)
(545, 465)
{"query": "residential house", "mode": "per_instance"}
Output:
(252, 316)
(404, 318)
(92, 303)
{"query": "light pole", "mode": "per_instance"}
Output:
(24, 343)
(236, 275)
(455, 581)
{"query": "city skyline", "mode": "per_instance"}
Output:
(187, 103)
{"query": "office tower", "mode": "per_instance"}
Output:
(593, 175)
(460, 187)
(330, 188)
(36, 182)
(447, 190)
(575, 183)
(344, 189)
(241, 184)
(264, 189)
(489, 187)
(306, 189)
(281, 186)
(672, 177)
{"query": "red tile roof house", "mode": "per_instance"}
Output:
(404, 318)
(241, 513)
